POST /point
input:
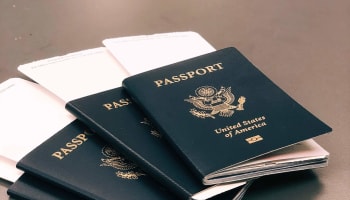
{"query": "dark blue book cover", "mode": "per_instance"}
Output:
(29, 187)
(78, 160)
(118, 120)
(218, 110)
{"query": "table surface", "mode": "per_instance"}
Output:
(303, 46)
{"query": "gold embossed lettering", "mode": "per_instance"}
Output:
(167, 81)
(188, 75)
(176, 79)
(158, 83)
(81, 137)
(117, 104)
(70, 146)
(109, 106)
(58, 155)
(66, 151)
(183, 77)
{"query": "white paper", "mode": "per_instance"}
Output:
(77, 74)
(145, 52)
(29, 115)
(8, 170)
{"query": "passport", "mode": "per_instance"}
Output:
(114, 117)
(30, 187)
(218, 111)
(78, 160)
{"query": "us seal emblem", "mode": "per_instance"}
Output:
(211, 102)
(152, 129)
(126, 169)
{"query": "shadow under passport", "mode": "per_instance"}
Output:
(294, 185)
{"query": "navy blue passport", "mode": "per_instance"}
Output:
(218, 110)
(118, 120)
(79, 161)
(29, 187)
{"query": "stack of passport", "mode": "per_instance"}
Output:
(201, 124)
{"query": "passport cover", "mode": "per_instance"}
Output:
(218, 110)
(30, 187)
(118, 120)
(78, 160)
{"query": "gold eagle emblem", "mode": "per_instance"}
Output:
(210, 101)
(126, 169)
